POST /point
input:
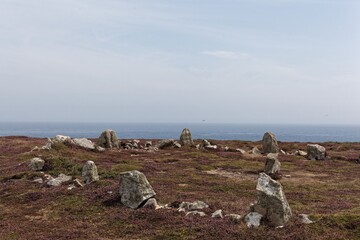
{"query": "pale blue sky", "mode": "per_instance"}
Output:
(244, 61)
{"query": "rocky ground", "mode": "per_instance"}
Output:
(328, 190)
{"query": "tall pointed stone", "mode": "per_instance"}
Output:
(269, 143)
(186, 138)
(271, 202)
(108, 139)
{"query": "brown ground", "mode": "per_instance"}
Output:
(328, 190)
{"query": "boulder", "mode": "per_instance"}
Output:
(36, 164)
(89, 172)
(316, 152)
(253, 219)
(135, 189)
(108, 139)
(271, 202)
(186, 138)
(272, 164)
(83, 143)
(59, 180)
(217, 214)
(269, 143)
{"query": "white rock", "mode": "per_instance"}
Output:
(195, 213)
(253, 219)
(217, 214)
(84, 143)
(59, 180)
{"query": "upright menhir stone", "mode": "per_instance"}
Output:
(269, 143)
(272, 164)
(271, 202)
(108, 139)
(135, 189)
(89, 172)
(316, 152)
(186, 138)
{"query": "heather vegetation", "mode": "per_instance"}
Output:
(327, 190)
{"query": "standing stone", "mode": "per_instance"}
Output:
(186, 138)
(269, 143)
(36, 164)
(89, 172)
(108, 139)
(271, 202)
(272, 164)
(316, 152)
(134, 189)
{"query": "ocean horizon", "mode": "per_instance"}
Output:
(204, 130)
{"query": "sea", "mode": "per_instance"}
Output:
(216, 131)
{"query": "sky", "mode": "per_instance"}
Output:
(223, 61)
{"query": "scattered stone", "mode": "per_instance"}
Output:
(36, 164)
(186, 138)
(272, 164)
(271, 201)
(304, 218)
(194, 213)
(269, 143)
(148, 144)
(89, 172)
(78, 183)
(316, 152)
(253, 219)
(282, 152)
(100, 149)
(59, 180)
(255, 151)
(242, 151)
(61, 138)
(226, 148)
(301, 153)
(217, 214)
(151, 204)
(71, 187)
(196, 205)
(108, 139)
(83, 143)
(36, 148)
(235, 218)
(166, 143)
(177, 145)
(47, 146)
(38, 180)
(134, 189)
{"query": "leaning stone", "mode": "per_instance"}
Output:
(84, 143)
(36, 164)
(271, 201)
(253, 219)
(217, 214)
(316, 152)
(269, 143)
(59, 180)
(235, 218)
(151, 204)
(194, 213)
(108, 139)
(272, 164)
(135, 189)
(186, 138)
(89, 172)
(304, 218)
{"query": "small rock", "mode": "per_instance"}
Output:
(36, 164)
(235, 218)
(83, 143)
(255, 151)
(217, 214)
(61, 138)
(301, 153)
(151, 204)
(242, 151)
(78, 183)
(47, 146)
(316, 152)
(100, 149)
(38, 180)
(226, 148)
(196, 205)
(177, 145)
(194, 213)
(89, 172)
(282, 152)
(305, 219)
(253, 219)
(36, 148)
(148, 143)
(71, 186)
(59, 180)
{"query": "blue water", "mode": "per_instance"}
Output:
(251, 132)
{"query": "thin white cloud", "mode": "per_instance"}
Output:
(227, 54)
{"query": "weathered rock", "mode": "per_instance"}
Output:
(253, 219)
(217, 214)
(100, 149)
(89, 172)
(108, 139)
(134, 189)
(255, 151)
(226, 148)
(83, 143)
(242, 151)
(316, 152)
(151, 204)
(186, 138)
(148, 144)
(301, 153)
(304, 218)
(78, 183)
(205, 143)
(36, 164)
(166, 143)
(269, 143)
(177, 145)
(191, 206)
(194, 213)
(47, 146)
(235, 218)
(38, 180)
(61, 138)
(272, 164)
(59, 180)
(271, 201)
(211, 147)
